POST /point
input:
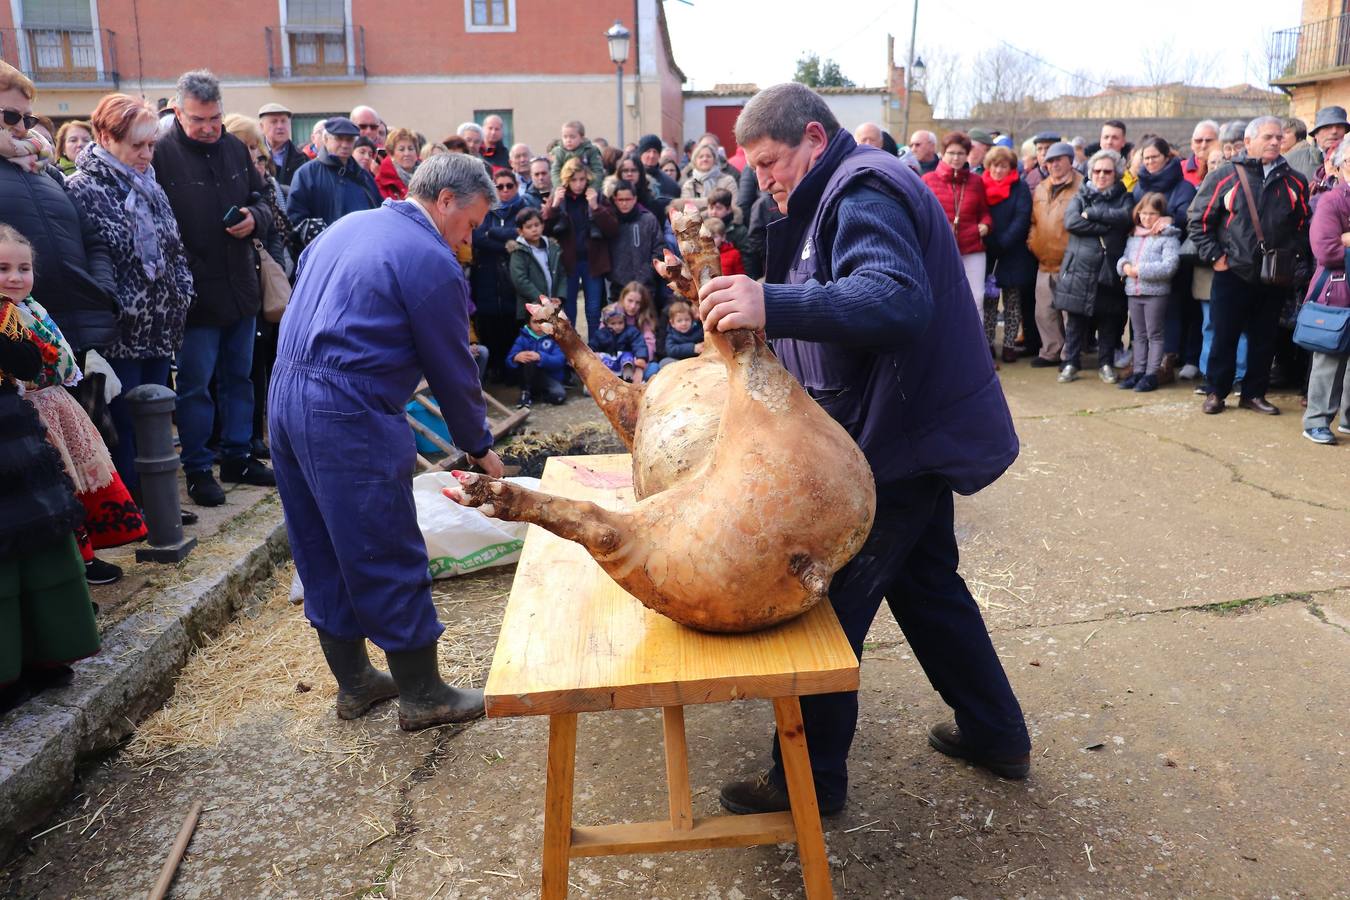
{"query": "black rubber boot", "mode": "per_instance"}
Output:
(360, 685)
(424, 700)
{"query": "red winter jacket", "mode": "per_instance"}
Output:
(953, 187)
(387, 180)
(731, 259)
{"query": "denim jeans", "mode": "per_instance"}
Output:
(132, 373)
(594, 288)
(226, 353)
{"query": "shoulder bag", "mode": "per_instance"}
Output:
(1323, 323)
(276, 287)
(1277, 264)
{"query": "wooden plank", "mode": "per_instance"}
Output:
(802, 792)
(677, 769)
(704, 834)
(574, 641)
(562, 755)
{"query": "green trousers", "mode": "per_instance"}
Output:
(46, 618)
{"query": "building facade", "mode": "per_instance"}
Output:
(716, 110)
(1311, 63)
(422, 65)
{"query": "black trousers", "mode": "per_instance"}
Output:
(1237, 306)
(910, 559)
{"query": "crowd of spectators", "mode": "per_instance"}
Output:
(147, 231)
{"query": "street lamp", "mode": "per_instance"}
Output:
(909, 69)
(618, 38)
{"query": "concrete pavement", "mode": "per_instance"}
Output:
(1169, 592)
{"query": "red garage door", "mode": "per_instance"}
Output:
(721, 121)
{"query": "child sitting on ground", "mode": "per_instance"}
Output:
(574, 145)
(639, 310)
(684, 338)
(619, 345)
(731, 257)
(542, 365)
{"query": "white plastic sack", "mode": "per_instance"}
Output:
(460, 539)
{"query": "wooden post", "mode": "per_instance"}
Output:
(677, 769)
(562, 755)
(802, 792)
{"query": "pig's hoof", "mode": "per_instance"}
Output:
(492, 496)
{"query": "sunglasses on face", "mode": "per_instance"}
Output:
(368, 127)
(506, 186)
(12, 117)
(1103, 171)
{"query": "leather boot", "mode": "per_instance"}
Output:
(360, 685)
(424, 700)
(1167, 370)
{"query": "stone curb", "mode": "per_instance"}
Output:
(134, 673)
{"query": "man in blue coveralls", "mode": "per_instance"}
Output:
(868, 306)
(379, 301)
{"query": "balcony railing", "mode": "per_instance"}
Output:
(1299, 55)
(62, 58)
(296, 54)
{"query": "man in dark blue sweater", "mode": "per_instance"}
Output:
(868, 306)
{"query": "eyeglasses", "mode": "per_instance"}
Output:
(1104, 172)
(375, 127)
(261, 157)
(506, 185)
(12, 117)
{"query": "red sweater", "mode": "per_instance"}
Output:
(390, 185)
(960, 188)
(731, 259)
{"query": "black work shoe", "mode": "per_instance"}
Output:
(1041, 362)
(946, 738)
(246, 471)
(257, 449)
(96, 571)
(204, 489)
(762, 794)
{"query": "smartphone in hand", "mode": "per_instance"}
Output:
(233, 217)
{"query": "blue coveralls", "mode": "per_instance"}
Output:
(379, 301)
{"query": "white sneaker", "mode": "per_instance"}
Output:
(1067, 374)
(1343, 428)
(1189, 372)
(1107, 374)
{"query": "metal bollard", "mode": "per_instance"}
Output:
(157, 462)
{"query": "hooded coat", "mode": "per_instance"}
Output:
(1171, 182)
(1098, 223)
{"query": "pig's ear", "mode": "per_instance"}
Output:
(533, 309)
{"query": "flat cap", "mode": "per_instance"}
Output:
(1059, 149)
(270, 109)
(341, 126)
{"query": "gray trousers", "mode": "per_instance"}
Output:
(1148, 314)
(1327, 391)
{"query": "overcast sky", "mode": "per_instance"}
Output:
(717, 41)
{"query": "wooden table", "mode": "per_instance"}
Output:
(573, 641)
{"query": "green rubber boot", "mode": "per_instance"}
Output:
(360, 685)
(424, 700)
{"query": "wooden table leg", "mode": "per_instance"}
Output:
(677, 769)
(802, 792)
(562, 755)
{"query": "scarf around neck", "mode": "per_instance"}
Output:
(995, 192)
(31, 153)
(58, 360)
(139, 206)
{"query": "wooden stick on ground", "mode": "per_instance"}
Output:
(166, 874)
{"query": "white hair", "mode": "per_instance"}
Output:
(469, 126)
(1116, 160)
(1255, 125)
(462, 175)
(1206, 123)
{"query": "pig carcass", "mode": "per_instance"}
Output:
(749, 496)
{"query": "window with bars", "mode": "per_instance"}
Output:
(489, 15)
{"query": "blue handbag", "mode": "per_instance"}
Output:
(1323, 329)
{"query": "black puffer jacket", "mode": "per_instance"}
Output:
(1099, 223)
(1281, 201)
(202, 182)
(74, 270)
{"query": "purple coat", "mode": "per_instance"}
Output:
(868, 302)
(1330, 219)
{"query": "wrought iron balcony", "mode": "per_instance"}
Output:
(302, 55)
(1312, 52)
(63, 58)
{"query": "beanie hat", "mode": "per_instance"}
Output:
(649, 142)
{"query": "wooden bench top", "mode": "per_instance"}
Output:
(574, 641)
